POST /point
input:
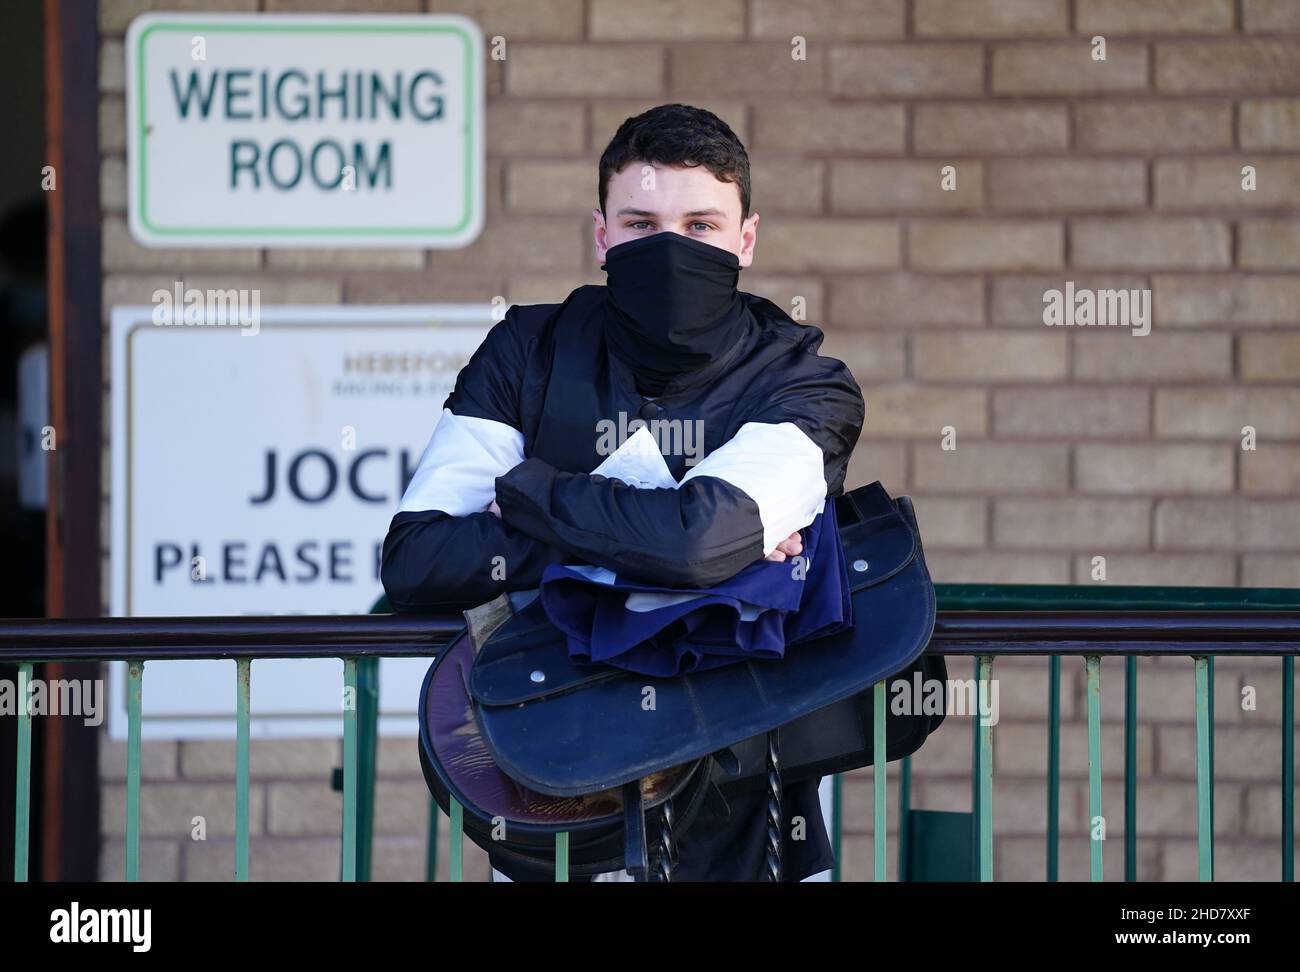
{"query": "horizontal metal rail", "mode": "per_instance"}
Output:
(1258, 623)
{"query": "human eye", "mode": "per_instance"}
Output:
(640, 223)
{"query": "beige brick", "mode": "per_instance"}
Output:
(624, 69)
(996, 129)
(885, 462)
(1122, 524)
(1210, 299)
(523, 244)
(1021, 750)
(313, 759)
(548, 187)
(952, 522)
(915, 412)
(549, 289)
(1269, 357)
(608, 114)
(867, 70)
(1263, 66)
(169, 809)
(157, 759)
(112, 67)
(121, 252)
(1023, 695)
(401, 806)
(116, 15)
(1153, 126)
(1240, 753)
(1071, 413)
(1234, 860)
(1153, 17)
(303, 809)
(869, 300)
(1228, 524)
(1161, 570)
(1259, 16)
(883, 358)
(1271, 470)
(989, 356)
(398, 858)
(869, 186)
(1067, 67)
(667, 20)
(535, 128)
(1263, 817)
(1100, 355)
(549, 20)
(1269, 244)
(270, 859)
(1152, 243)
(981, 466)
(341, 6)
(112, 124)
(322, 258)
(985, 244)
(788, 290)
(800, 245)
(112, 185)
(274, 289)
(1210, 183)
(1220, 413)
(1022, 300)
(160, 860)
(1065, 184)
(434, 288)
(827, 128)
(789, 185)
(992, 567)
(755, 68)
(1270, 123)
(990, 18)
(826, 19)
(1155, 469)
(1270, 570)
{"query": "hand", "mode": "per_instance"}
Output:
(789, 547)
(494, 509)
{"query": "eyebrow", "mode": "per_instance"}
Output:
(629, 211)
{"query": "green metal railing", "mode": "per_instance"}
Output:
(980, 621)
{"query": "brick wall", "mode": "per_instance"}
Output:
(1072, 443)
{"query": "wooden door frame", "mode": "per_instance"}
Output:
(70, 754)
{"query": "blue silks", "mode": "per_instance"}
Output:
(662, 631)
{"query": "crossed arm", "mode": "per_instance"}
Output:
(480, 518)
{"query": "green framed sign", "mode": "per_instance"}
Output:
(267, 130)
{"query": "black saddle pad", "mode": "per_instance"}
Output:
(565, 729)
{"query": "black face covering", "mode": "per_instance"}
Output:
(673, 306)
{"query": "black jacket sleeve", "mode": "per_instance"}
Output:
(769, 480)
(444, 551)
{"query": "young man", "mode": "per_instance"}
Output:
(505, 484)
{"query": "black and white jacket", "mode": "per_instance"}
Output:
(756, 441)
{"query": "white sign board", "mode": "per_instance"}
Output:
(257, 474)
(291, 131)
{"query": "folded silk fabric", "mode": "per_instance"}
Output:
(663, 631)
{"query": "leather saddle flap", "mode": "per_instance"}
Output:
(565, 729)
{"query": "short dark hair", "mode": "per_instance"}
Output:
(678, 135)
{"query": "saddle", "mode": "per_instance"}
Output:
(532, 744)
